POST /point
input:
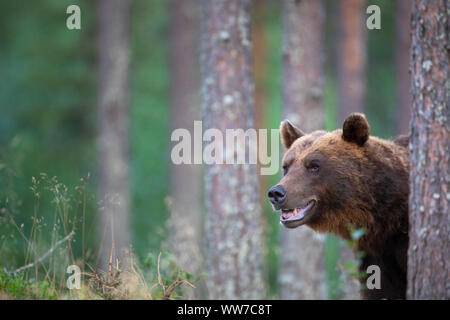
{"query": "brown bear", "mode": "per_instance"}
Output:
(333, 181)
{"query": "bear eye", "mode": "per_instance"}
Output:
(285, 169)
(314, 167)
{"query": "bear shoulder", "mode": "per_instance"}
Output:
(402, 140)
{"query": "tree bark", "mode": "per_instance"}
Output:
(302, 270)
(429, 250)
(352, 57)
(352, 73)
(113, 129)
(185, 204)
(259, 67)
(402, 47)
(233, 219)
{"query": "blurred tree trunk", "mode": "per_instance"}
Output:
(185, 205)
(352, 57)
(429, 249)
(351, 70)
(302, 269)
(259, 60)
(113, 129)
(259, 67)
(402, 46)
(233, 220)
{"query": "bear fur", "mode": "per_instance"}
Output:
(348, 179)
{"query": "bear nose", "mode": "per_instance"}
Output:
(277, 195)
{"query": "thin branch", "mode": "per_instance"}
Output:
(167, 291)
(159, 275)
(111, 256)
(175, 284)
(28, 266)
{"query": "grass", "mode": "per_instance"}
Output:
(36, 249)
(50, 248)
(16, 287)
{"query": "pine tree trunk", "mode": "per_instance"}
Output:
(302, 270)
(113, 129)
(259, 67)
(429, 218)
(351, 67)
(402, 47)
(185, 205)
(233, 219)
(352, 57)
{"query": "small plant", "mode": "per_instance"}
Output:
(170, 277)
(181, 278)
(132, 283)
(106, 284)
(16, 287)
(350, 269)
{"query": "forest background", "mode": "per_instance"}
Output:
(49, 122)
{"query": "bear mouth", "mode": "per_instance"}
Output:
(292, 218)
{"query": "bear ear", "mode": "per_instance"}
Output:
(289, 133)
(356, 129)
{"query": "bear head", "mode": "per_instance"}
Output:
(324, 184)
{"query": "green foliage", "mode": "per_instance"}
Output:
(48, 103)
(330, 103)
(381, 106)
(331, 262)
(341, 273)
(149, 123)
(351, 268)
(168, 272)
(16, 287)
